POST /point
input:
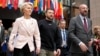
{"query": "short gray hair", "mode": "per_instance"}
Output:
(22, 6)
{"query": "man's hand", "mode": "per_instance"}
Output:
(2, 43)
(37, 50)
(90, 43)
(55, 53)
(10, 47)
(83, 47)
(58, 52)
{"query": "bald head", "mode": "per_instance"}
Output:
(82, 5)
(83, 9)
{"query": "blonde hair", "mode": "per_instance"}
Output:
(96, 28)
(22, 6)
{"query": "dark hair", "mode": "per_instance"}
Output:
(49, 9)
(61, 21)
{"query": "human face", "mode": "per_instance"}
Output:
(98, 31)
(63, 25)
(83, 9)
(27, 10)
(50, 14)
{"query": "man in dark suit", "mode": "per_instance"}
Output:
(80, 33)
(1, 35)
(64, 37)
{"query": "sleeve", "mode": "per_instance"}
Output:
(3, 34)
(72, 31)
(58, 39)
(13, 32)
(37, 36)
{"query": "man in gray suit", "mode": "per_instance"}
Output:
(1, 35)
(80, 33)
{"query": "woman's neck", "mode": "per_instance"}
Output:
(26, 17)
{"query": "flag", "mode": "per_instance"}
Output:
(1, 2)
(36, 5)
(44, 5)
(52, 4)
(15, 4)
(56, 8)
(59, 10)
(27, 0)
(40, 6)
(31, 1)
(48, 3)
(10, 4)
(4, 3)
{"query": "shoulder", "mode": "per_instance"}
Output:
(73, 19)
(33, 19)
(54, 23)
(19, 19)
(41, 21)
(67, 31)
(89, 19)
(76, 17)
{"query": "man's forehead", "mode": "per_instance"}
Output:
(50, 11)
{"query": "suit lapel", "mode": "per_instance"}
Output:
(25, 26)
(80, 22)
(88, 24)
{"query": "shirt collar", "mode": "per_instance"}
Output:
(82, 17)
(62, 29)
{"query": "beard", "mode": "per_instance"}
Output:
(50, 18)
(84, 14)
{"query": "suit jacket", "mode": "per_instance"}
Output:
(2, 34)
(77, 34)
(62, 37)
(21, 34)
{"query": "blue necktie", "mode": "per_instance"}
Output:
(64, 38)
(64, 35)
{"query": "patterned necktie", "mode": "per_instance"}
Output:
(85, 25)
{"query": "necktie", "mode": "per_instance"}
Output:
(64, 39)
(85, 25)
(64, 35)
(64, 44)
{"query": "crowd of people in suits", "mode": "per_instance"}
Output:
(27, 37)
